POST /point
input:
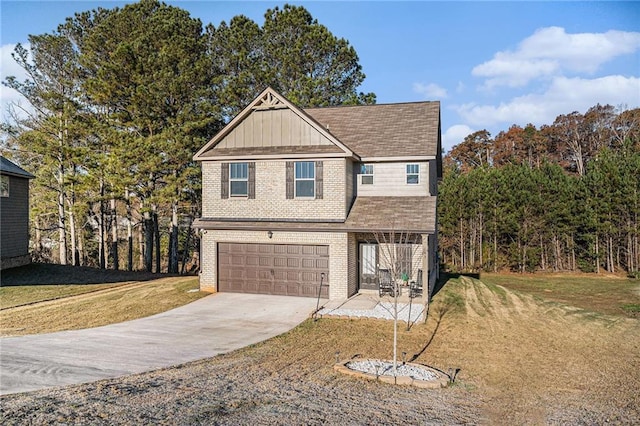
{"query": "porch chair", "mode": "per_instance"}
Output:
(415, 287)
(386, 285)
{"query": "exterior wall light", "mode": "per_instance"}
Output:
(269, 234)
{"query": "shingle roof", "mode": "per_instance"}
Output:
(384, 130)
(414, 214)
(9, 168)
(368, 214)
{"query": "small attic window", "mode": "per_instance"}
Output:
(366, 172)
(4, 186)
(413, 174)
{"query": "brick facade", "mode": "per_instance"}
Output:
(270, 200)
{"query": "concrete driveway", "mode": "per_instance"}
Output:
(207, 327)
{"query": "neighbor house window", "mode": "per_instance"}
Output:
(239, 179)
(367, 174)
(413, 174)
(4, 186)
(305, 178)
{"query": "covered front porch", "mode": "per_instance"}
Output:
(391, 264)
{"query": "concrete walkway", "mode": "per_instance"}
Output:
(207, 327)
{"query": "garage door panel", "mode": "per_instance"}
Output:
(311, 291)
(322, 250)
(265, 287)
(236, 248)
(252, 286)
(309, 277)
(322, 264)
(293, 289)
(280, 269)
(264, 274)
(266, 261)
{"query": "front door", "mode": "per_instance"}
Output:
(368, 266)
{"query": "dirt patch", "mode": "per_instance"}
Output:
(521, 361)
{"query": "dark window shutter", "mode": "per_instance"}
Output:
(252, 181)
(290, 181)
(319, 179)
(224, 180)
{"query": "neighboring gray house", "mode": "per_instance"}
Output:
(292, 196)
(14, 215)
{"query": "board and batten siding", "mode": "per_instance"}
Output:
(390, 179)
(14, 211)
(270, 200)
(273, 128)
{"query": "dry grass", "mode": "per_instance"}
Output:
(70, 307)
(522, 361)
(604, 294)
(11, 297)
(540, 362)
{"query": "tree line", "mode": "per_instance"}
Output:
(120, 99)
(562, 197)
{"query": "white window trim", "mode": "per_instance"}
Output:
(417, 174)
(296, 179)
(363, 174)
(231, 180)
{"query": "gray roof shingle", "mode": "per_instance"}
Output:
(384, 130)
(413, 214)
(9, 168)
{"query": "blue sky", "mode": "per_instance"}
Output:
(491, 64)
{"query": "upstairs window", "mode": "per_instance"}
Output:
(413, 174)
(239, 179)
(305, 178)
(366, 170)
(4, 186)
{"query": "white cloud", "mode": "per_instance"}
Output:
(430, 90)
(455, 135)
(564, 95)
(9, 67)
(551, 51)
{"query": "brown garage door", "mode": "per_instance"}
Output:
(290, 270)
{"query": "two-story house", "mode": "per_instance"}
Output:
(294, 197)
